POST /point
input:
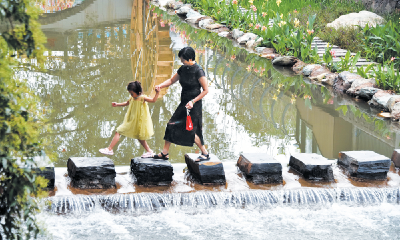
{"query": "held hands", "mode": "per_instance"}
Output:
(158, 88)
(114, 104)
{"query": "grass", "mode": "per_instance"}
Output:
(327, 12)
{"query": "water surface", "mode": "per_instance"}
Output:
(97, 46)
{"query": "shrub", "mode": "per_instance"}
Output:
(21, 36)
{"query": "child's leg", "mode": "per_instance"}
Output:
(145, 145)
(114, 141)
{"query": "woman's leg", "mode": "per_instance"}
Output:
(201, 146)
(145, 145)
(114, 141)
(165, 149)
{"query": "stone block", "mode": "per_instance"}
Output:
(357, 19)
(246, 37)
(260, 168)
(368, 92)
(44, 168)
(344, 80)
(207, 172)
(236, 33)
(285, 61)
(396, 157)
(380, 99)
(359, 84)
(312, 166)
(365, 164)
(91, 172)
(149, 171)
(47, 173)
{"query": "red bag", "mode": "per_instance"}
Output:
(189, 123)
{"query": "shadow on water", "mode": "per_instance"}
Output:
(251, 107)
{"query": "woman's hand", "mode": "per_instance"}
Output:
(189, 105)
(114, 104)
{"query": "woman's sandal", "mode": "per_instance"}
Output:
(163, 156)
(203, 157)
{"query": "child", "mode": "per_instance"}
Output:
(137, 122)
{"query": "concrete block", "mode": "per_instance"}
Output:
(207, 172)
(365, 164)
(260, 168)
(149, 171)
(396, 157)
(91, 172)
(312, 166)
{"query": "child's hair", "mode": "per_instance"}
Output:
(135, 86)
(187, 53)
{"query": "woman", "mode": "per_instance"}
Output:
(191, 77)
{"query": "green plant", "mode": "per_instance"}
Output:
(19, 121)
(382, 42)
(328, 56)
(365, 73)
(346, 63)
(387, 77)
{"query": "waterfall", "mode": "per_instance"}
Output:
(139, 202)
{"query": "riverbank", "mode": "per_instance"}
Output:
(355, 85)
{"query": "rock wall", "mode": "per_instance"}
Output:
(382, 6)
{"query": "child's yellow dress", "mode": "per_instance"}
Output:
(137, 122)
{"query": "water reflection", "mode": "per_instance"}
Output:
(251, 107)
(52, 6)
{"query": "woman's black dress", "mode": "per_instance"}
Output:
(176, 128)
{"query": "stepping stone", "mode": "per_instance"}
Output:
(149, 171)
(365, 164)
(207, 172)
(44, 168)
(312, 166)
(91, 172)
(47, 173)
(396, 157)
(260, 168)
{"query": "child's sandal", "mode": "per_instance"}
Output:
(162, 157)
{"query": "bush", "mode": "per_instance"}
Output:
(19, 121)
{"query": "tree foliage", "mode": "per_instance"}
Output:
(21, 41)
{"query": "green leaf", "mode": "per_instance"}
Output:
(342, 108)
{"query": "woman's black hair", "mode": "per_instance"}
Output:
(135, 86)
(187, 53)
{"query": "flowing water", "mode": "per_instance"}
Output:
(364, 213)
(97, 46)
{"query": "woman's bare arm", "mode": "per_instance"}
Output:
(169, 82)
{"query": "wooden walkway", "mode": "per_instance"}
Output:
(339, 52)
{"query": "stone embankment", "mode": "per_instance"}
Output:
(346, 82)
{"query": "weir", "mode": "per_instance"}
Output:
(143, 202)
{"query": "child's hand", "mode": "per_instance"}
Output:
(114, 104)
